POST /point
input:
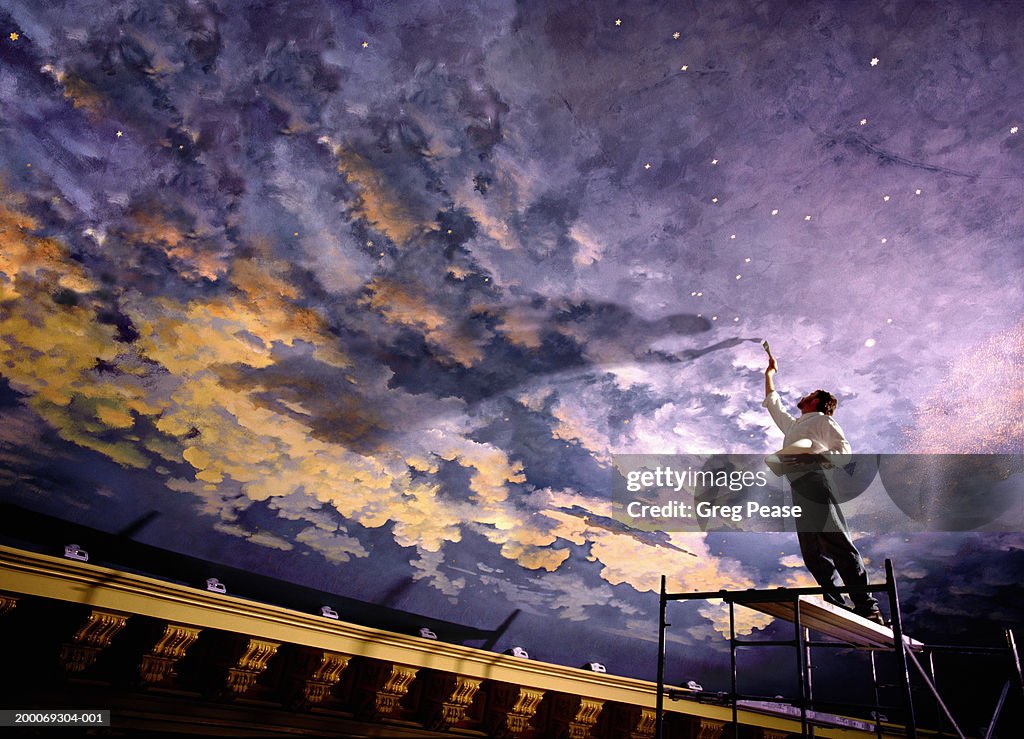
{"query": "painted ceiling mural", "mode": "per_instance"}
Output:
(365, 296)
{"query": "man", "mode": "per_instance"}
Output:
(825, 541)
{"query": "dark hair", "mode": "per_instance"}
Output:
(827, 402)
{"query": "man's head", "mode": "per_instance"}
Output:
(820, 401)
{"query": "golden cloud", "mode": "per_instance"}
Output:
(336, 546)
(30, 264)
(492, 469)
(399, 306)
(590, 248)
(190, 338)
(533, 557)
(52, 349)
(381, 204)
(522, 326)
(81, 94)
(575, 426)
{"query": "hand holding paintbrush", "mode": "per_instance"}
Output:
(769, 373)
(772, 364)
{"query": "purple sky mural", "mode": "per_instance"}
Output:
(365, 295)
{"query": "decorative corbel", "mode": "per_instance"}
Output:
(252, 662)
(446, 699)
(158, 664)
(316, 675)
(573, 716)
(510, 709)
(382, 688)
(92, 637)
(710, 729)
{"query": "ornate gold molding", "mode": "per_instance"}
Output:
(158, 664)
(710, 729)
(29, 573)
(382, 688)
(92, 637)
(250, 665)
(574, 716)
(510, 709)
(446, 699)
(7, 603)
(774, 734)
(37, 576)
(633, 722)
(317, 673)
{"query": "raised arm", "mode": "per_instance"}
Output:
(769, 376)
(771, 399)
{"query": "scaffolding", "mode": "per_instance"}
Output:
(808, 611)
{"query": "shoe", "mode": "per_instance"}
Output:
(871, 614)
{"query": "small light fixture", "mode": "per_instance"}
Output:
(328, 612)
(695, 686)
(519, 652)
(595, 667)
(427, 633)
(73, 551)
(215, 586)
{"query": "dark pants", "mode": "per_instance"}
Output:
(825, 541)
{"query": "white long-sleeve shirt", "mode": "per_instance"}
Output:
(825, 435)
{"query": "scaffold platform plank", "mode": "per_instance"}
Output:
(819, 718)
(834, 621)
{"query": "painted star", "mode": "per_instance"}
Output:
(863, 121)
(618, 21)
(684, 67)
(119, 134)
(676, 35)
(1014, 129)
(14, 36)
(647, 166)
(366, 44)
(874, 61)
